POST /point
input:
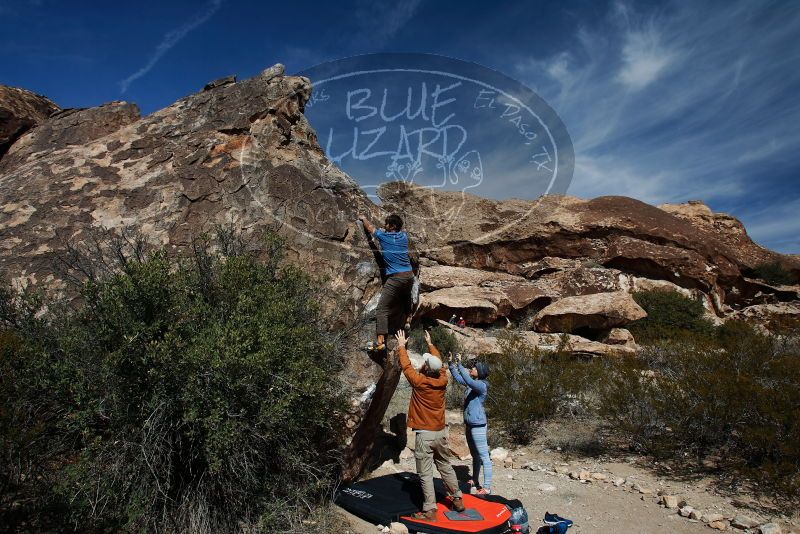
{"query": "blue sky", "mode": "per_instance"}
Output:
(664, 101)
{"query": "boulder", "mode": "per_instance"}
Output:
(669, 501)
(499, 454)
(474, 341)
(478, 296)
(744, 522)
(20, 110)
(618, 336)
(777, 317)
(770, 528)
(600, 311)
(457, 441)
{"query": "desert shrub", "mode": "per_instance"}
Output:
(784, 325)
(738, 395)
(669, 315)
(775, 274)
(193, 395)
(27, 442)
(529, 386)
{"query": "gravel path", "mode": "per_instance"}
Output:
(543, 481)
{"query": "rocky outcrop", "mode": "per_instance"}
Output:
(478, 342)
(596, 312)
(238, 154)
(781, 318)
(70, 127)
(729, 231)
(513, 236)
(20, 110)
(481, 297)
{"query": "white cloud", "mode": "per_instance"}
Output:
(644, 59)
(777, 225)
(682, 101)
(171, 38)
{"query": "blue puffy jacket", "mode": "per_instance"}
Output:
(475, 395)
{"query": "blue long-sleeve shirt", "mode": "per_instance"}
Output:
(475, 395)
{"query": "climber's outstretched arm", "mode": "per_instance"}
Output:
(368, 226)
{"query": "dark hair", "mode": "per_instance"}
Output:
(395, 221)
(483, 370)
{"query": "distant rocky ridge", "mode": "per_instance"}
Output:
(241, 153)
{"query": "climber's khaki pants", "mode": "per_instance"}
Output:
(430, 448)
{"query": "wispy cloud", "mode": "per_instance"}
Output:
(644, 59)
(683, 101)
(378, 21)
(171, 38)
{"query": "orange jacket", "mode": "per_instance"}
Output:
(426, 409)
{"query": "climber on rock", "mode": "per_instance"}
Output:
(398, 268)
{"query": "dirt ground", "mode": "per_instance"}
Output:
(539, 475)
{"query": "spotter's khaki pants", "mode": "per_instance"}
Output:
(430, 448)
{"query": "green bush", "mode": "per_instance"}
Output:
(28, 444)
(441, 337)
(669, 315)
(732, 393)
(737, 397)
(774, 274)
(529, 386)
(182, 396)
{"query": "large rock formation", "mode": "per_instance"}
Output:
(513, 236)
(240, 154)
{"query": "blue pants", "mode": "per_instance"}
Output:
(479, 449)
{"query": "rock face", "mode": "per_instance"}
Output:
(238, 154)
(70, 127)
(20, 110)
(513, 236)
(478, 296)
(597, 312)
